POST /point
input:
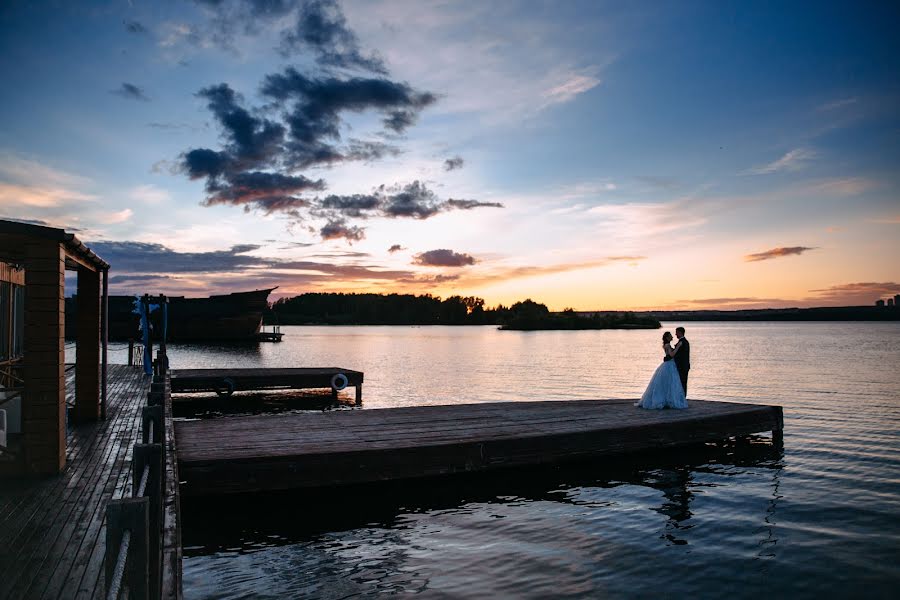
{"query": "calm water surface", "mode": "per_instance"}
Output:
(737, 519)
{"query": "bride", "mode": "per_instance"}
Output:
(664, 389)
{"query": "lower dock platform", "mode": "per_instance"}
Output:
(287, 451)
(227, 381)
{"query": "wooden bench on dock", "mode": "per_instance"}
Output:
(247, 454)
(226, 381)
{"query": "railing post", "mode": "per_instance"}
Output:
(153, 414)
(157, 393)
(151, 455)
(130, 352)
(128, 514)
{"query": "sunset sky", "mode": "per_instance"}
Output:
(595, 155)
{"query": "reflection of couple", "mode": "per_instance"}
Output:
(668, 386)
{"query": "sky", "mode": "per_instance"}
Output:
(592, 155)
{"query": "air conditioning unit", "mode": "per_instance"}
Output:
(2, 428)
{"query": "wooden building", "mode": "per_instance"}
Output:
(33, 262)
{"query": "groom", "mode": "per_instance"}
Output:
(682, 357)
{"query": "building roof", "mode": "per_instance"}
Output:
(73, 245)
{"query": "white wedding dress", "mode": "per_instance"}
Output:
(664, 389)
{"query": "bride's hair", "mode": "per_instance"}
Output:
(667, 337)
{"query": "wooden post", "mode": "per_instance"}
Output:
(359, 395)
(44, 402)
(104, 341)
(157, 393)
(153, 414)
(87, 364)
(129, 514)
(151, 455)
(130, 352)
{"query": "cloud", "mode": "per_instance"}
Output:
(320, 26)
(443, 258)
(134, 27)
(129, 91)
(142, 257)
(793, 160)
(396, 248)
(29, 183)
(894, 220)
(863, 293)
(113, 218)
(453, 163)
(842, 186)
(129, 278)
(338, 229)
(777, 253)
(413, 200)
(249, 170)
(149, 194)
(573, 85)
(135, 265)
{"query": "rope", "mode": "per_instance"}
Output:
(115, 585)
(142, 488)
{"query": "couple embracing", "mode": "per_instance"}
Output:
(668, 386)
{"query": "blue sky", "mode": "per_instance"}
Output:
(585, 154)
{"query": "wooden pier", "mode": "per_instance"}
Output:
(53, 529)
(226, 381)
(247, 454)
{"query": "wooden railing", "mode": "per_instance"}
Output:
(140, 558)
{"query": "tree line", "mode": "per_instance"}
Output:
(425, 309)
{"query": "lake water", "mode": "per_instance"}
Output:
(736, 519)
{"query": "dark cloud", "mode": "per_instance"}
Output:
(247, 170)
(321, 27)
(131, 278)
(129, 91)
(453, 163)
(470, 204)
(339, 229)
(135, 265)
(134, 27)
(316, 104)
(777, 253)
(443, 258)
(396, 248)
(141, 257)
(266, 147)
(413, 200)
(267, 192)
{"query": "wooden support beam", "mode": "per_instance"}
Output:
(44, 402)
(87, 331)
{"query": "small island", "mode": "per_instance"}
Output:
(533, 316)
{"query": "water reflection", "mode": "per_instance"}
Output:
(302, 520)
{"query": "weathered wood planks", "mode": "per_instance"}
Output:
(247, 454)
(53, 528)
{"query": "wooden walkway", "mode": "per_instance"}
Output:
(246, 454)
(52, 530)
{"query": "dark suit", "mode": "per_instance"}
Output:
(683, 362)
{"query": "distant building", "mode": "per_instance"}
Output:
(890, 301)
(897, 300)
(879, 302)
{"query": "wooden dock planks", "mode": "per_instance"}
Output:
(286, 451)
(53, 528)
